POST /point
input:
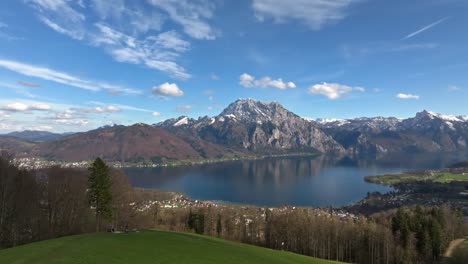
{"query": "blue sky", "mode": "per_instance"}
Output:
(76, 65)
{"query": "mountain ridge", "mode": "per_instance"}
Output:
(250, 127)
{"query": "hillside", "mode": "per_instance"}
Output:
(146, 247)
(136, 143)
(36, 136)
(17, 146)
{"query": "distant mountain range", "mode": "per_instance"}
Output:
(247, 127)
(35, 136)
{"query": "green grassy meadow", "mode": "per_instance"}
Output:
(146, 247)
(392, 179)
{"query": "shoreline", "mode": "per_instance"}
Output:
(40, 163)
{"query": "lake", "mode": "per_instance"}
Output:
(300, 181)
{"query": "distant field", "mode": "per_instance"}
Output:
(392, 179)
(146, 247)
(449, 177)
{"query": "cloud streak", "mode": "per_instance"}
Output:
(421, 30)
(313, 13)
(406, 96)
(61, 77)
(126, 30)
(22, 107)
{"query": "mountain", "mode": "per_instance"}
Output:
(136, 143)
(249, 125)
(426, 132)
(35, 136)
(18, 147)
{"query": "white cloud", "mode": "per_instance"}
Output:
(121, 106)
(453, 88)
(125, 29)
(60, 77)
(28, 84)
(72, 122)
(360, 89)
(172, 40)
(407, 96)
(4, 126)
(278, 84)
(40, 107)
(40, 128)
(191, 15)
(4, 116)
(313, 13)
(183, 108)
(73, 34)
(210, 108)
(156, 52)
(107, 109)
(333, 90)
(247, 80)
(167, 89)
(421, 30)
(108, 9)
(22, 107)
(70, 118)
(155, 114)
(210, 98)
(16, 107)
(98, 109)
(130, 13)
(61, 17)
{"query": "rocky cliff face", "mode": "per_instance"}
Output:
(426, 132)
(259, 127)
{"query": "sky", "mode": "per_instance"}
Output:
(77, 65)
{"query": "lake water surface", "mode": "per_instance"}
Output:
(300, 181)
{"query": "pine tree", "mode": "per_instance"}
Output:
(99, 192)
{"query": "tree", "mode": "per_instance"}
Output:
(99, 192)
(196, 222)
(219, 227)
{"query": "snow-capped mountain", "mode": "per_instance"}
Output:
(257, 126)
(247, 126)
(426, 132)
(369, 124)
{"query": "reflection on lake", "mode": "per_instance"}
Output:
(301, 181)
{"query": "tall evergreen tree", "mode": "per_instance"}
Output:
(99, 192)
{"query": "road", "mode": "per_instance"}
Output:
(452, 246)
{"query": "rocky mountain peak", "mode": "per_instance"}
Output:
(255, 111)
(428, 115)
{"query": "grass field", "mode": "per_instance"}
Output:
(392, 179)
(146, 247)
(449, 177)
